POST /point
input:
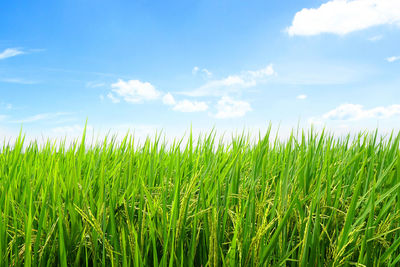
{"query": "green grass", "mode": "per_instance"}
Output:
(312, 200)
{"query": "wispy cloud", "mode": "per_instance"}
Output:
(41, 117)
(113, 99)
(392, 59)
(195, 70)
(17, 81)
(133, 91)
(204, 71)
(230, 108)
(345, 16)
(11, 52)
(94, 84)
(207, 72)
(232, 83)
(301, 97)
(355, 112)
(375, 38)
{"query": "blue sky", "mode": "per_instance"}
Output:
(151, 65)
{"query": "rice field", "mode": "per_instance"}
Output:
(311, 200)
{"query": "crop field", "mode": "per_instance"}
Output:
(311, 200)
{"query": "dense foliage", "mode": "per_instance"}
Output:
(312, 200)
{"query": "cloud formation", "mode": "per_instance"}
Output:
(11, 52)
(94, 84)
(232, 83)
(345, 16)
(301, 97)
(195, 70)
(184, 105)
(133, 91)
(229, 108)
(190, 106)
(113, 99)
(168, 99)
(392, 59)
(375, 38)
(354, 112)
(204, 71)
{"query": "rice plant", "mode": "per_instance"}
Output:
(311, 200)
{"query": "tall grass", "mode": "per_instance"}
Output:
(312, 200)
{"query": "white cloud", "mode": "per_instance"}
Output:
(345, 16)
(375, 38)
(301, 97)
(207, 72)
(352, 112)
(229, 108)
(168, 99)
(94, 84)
(232, 83)
(190, 106)
(135, 91)
(184, 105)
(220, 87)
(392, 59)
(11, 52)
(195, 70)
(267, 71)
(204, 71)
(113, 99)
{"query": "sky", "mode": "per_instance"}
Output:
(146, 66)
